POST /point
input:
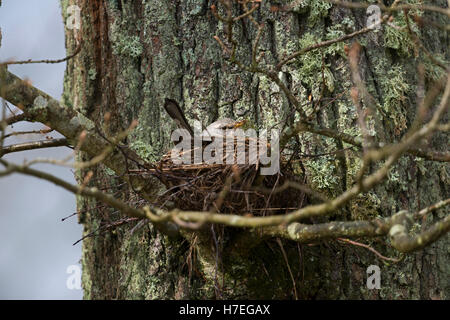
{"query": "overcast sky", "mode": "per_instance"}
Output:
(35, 245)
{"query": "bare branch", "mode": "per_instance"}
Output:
(16, 118)
(71, 124)
(29, 61)
(34, 145)
(18, 133)
(370, 249)
(322, 44)
(432, 208)
(149, 213)
(403, 242)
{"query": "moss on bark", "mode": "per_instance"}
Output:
(137, 53)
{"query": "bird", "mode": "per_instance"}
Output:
(215, 129)
(223, 129)
(175, 112)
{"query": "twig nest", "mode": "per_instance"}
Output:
(226, 188)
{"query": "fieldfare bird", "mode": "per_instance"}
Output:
(215, 129)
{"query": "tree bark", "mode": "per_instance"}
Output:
(137, 53)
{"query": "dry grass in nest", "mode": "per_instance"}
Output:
(237, 189)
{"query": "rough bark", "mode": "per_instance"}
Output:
(136, 53)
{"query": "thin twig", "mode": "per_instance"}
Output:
(379, 255)
(29, 61)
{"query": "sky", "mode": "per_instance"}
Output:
(36, 248)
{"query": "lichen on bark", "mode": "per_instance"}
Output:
(136, 53)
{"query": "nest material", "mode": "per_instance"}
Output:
(237, 188)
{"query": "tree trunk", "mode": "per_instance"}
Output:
(137, 53)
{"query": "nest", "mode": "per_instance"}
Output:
(224, 188)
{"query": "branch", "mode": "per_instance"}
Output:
(379, 255)
(323, 44)
(71, 124)
(396, 225)
(95, 193)
(403, 242)
(15, 119)
(33, 145)
(243, 221)
(304, 124)
(323, 209)
(18, 133)
(307, 233)
(432, 208)
(29, 61)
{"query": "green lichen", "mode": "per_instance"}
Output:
(123, 43)
(396, 35)
(318, 10)
(322, 173)
(397, 178)
(444, 174)
(354, 131)
(396, 88)
(129, 85)
(398, 40)
(145, 151)
(335, 31)
(269, 94)
(92, 74)
(39, 109)
(420, 163)
(434, 72)
(313, 66)
(127, 46)
(310, 66)
(109, 172)
(365, 206)
(114, 4)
